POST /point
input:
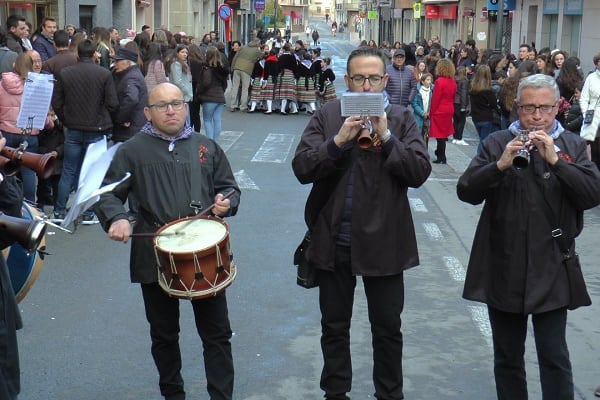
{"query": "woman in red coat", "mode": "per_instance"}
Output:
(442, 108)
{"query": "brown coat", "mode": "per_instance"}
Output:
(382, 238)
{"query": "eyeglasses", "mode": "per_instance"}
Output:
(176, 105)
(359, 80)
(530, 109)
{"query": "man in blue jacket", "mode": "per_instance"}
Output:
(44, 42)
(402, 85)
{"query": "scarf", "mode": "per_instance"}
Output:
(555, 132)
(149, 130)
(425, 92)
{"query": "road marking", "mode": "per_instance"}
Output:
(433, 231)
(441, 180)
(275, 148)
(455, 267)
(244, 181)
(228, 138)
(479, 315)
(417, 205)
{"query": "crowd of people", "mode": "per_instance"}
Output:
(485, 88)
(537, 105)
(149, 90)
(283, 77)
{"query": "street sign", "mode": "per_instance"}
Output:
(224, 12)
(259, 5)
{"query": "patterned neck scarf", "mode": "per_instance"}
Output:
(555, 132)
(149, 130)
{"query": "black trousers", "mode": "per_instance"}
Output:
(385, 299)
(509, 332)
(460, 119)
(212, 323)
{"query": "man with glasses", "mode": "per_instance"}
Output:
(360, 223)
(401, 85)
(520, 263)
(175, 173)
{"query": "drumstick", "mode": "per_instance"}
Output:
(152, 234)
(204, 212)
(200, 214)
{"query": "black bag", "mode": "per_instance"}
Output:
(307, 275)
(578, 296)
(203, 83)
(588, 117)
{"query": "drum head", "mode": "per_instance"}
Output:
(24, 268)
(191, 235)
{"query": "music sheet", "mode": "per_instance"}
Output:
(36, 100)
(95, 164)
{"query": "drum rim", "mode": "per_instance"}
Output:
(219, 243)
(36, 268)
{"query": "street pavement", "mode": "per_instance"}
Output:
(85, 336)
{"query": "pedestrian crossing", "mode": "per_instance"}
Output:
(277, 148)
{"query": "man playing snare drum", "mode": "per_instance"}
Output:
(174, 173)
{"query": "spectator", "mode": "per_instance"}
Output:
(7, 56)
(179, 73)
(11, 93)
(422, 104)
(84, 98)
(44, 42)
(16, 30)
(401, 85)
(442, 108)
(242, 66)
(63, 58)
(212, 97)
(485, 110)
(461, 106)
(132, 93)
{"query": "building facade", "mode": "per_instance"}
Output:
(564, 24)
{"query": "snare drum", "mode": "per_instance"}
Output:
(24, 267)
(194, 257)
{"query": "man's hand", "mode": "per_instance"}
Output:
(222, 205)
(511, 150)
(380, 125)
(349, 130)
(120, 230)
(545, 146)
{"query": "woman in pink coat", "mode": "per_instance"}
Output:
(442, 108)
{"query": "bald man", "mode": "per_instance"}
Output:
(163, 158)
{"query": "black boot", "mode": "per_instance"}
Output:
(440, 152)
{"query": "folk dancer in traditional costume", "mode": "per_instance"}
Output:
(271, 70)
(257, 95)
(326, 89)
(305, 92)
(286, 86)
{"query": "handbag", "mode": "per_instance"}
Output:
(307, 275)
(578, 294)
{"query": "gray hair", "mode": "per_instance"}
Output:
(539, 81)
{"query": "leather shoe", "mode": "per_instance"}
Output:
(439, 161)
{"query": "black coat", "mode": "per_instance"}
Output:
(132, 93)
(516, 265)
(85, 96)
(165, 184)
(381, 178)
